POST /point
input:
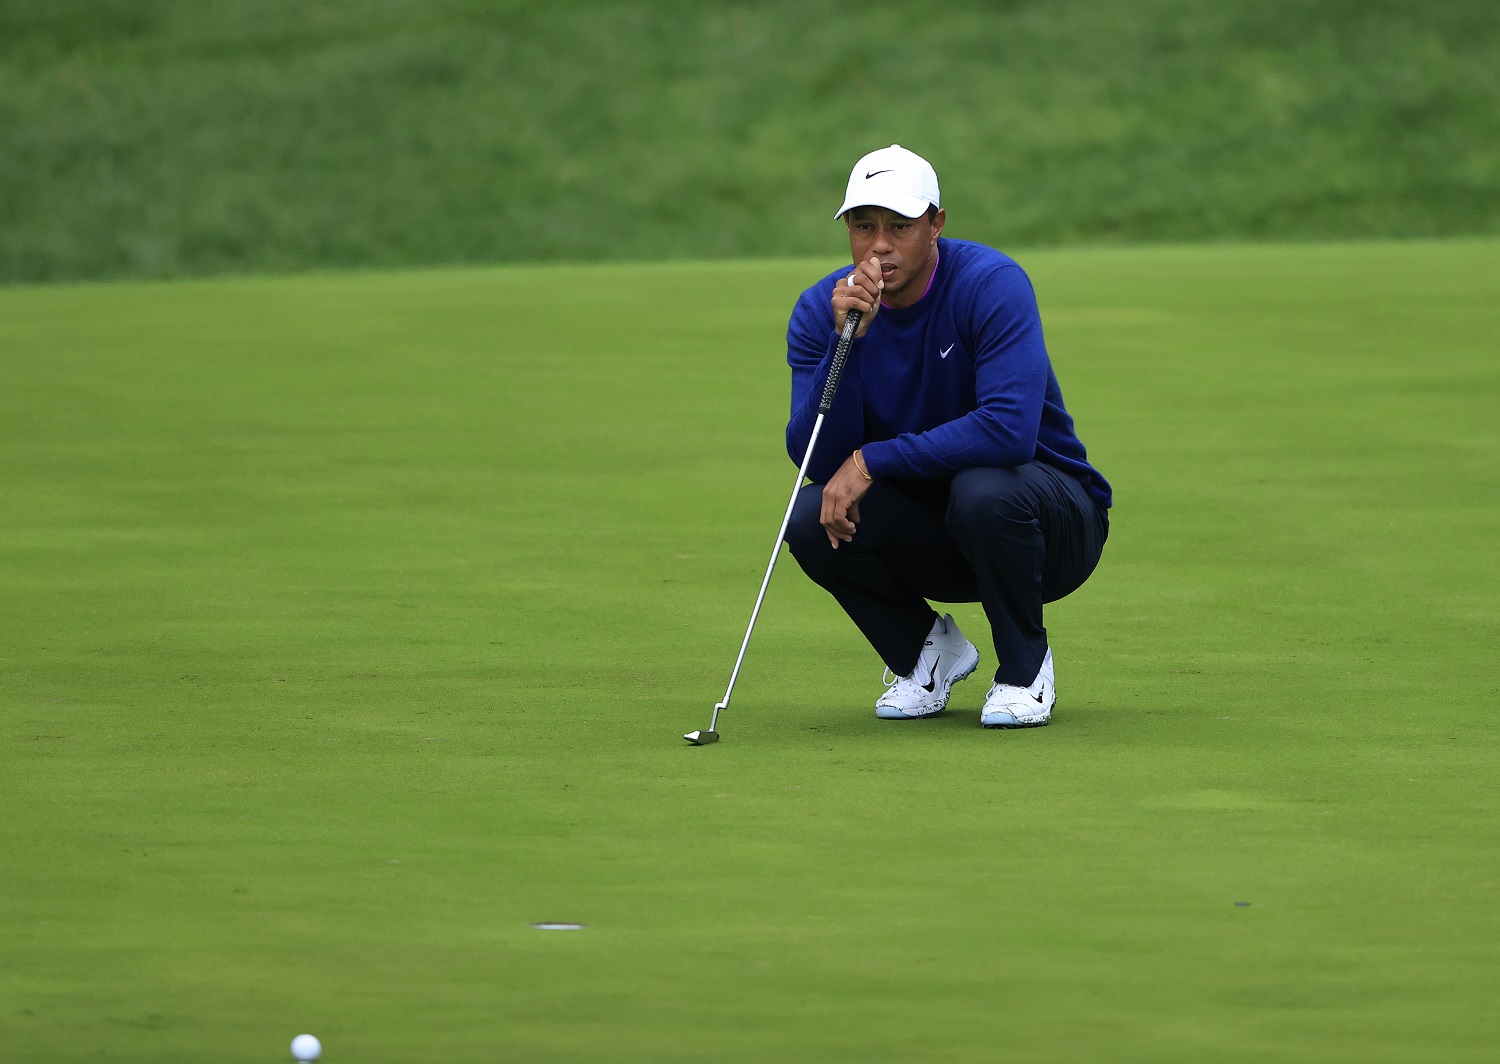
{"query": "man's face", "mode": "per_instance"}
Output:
(906, 248)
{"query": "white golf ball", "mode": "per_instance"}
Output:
(305, 1047)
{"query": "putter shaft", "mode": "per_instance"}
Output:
(835, 370)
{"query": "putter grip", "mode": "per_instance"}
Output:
(840, 356)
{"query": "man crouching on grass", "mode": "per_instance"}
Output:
(948, 467)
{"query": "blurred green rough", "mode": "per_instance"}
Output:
(157, 138)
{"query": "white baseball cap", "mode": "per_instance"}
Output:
(895, 178)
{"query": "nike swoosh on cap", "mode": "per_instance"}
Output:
(872, 173)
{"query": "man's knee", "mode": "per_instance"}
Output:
(985, 500)
(804, 532)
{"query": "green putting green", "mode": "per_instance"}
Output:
(351, 624)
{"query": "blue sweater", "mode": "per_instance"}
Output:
(959, 379)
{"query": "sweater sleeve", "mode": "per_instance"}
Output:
(810, 343)
(1010, 383)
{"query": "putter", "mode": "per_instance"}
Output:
(835, 370)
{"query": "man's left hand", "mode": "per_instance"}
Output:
(841, 497)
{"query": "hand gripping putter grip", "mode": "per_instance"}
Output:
(835, 370)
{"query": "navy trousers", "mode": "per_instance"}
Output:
(1011, 539)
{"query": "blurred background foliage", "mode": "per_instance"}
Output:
(154, 138)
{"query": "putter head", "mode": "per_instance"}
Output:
(702, 738)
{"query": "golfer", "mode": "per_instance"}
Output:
(947, 468)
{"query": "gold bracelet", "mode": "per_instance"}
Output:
(859, 463)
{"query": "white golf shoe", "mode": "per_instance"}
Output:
(947, 658)
(1021, 707)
